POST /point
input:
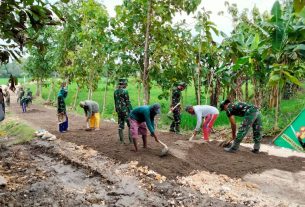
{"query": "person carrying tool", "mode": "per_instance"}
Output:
(92, 114)
(122, 107)
(252, 117)
(141, 118)
(176, 98)
(61, 108)
(209, 113)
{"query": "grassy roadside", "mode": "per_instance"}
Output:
(14, 131)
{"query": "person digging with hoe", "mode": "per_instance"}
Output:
(252, 117)
(141, 118)
(92, 114)
(209, 113)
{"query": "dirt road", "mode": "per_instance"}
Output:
(186, 157)
(195, 172)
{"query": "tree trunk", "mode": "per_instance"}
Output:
(196, 89)
(247, 90)
(146, 56)
(239, 92)
(215, 94)
(139, 94)
(277, 108)
(75, 98)
(105, 96)
(90, 93)
(199, 84)
(210, 87)
(50, 90)
(39, 87)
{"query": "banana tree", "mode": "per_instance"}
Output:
(280, 75)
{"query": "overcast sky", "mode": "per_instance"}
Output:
(223, 23)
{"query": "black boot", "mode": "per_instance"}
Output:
(121, 136)
(172, 127)
(256, 148)
(177, 129)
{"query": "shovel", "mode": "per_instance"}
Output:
(165, 150)
(169, 114)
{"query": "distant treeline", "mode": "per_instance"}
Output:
(13, 68)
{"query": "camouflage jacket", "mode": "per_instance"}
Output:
(176, 96)
(122, 101)
(239, 109)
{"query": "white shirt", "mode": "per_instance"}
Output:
(202, 111)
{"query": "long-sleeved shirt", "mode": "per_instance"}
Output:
(90, 108)
(202, 111)
(122, 101)
(144, 114)
(176, 97)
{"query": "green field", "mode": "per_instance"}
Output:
(288, 110)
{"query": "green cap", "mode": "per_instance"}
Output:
(123, 81)
(183, 84)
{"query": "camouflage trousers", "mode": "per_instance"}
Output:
(122, 119)
(175, 126)
(252, 118)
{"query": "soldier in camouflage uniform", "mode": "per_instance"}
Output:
(176, 97)
(252, 117)
(122, 107)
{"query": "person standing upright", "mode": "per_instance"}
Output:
(61, 108)
(176, 98)
(123, 108)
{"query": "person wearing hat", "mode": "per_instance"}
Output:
(61, 108)
(92, 114)
(20, 94)
(122, 107)
(251, 118)
(209, 113)
(25, 99)
(176, 98)
(29, 95)
(141, 118)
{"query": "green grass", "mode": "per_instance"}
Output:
(21, 132)
(288, 108)
(3, 81)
